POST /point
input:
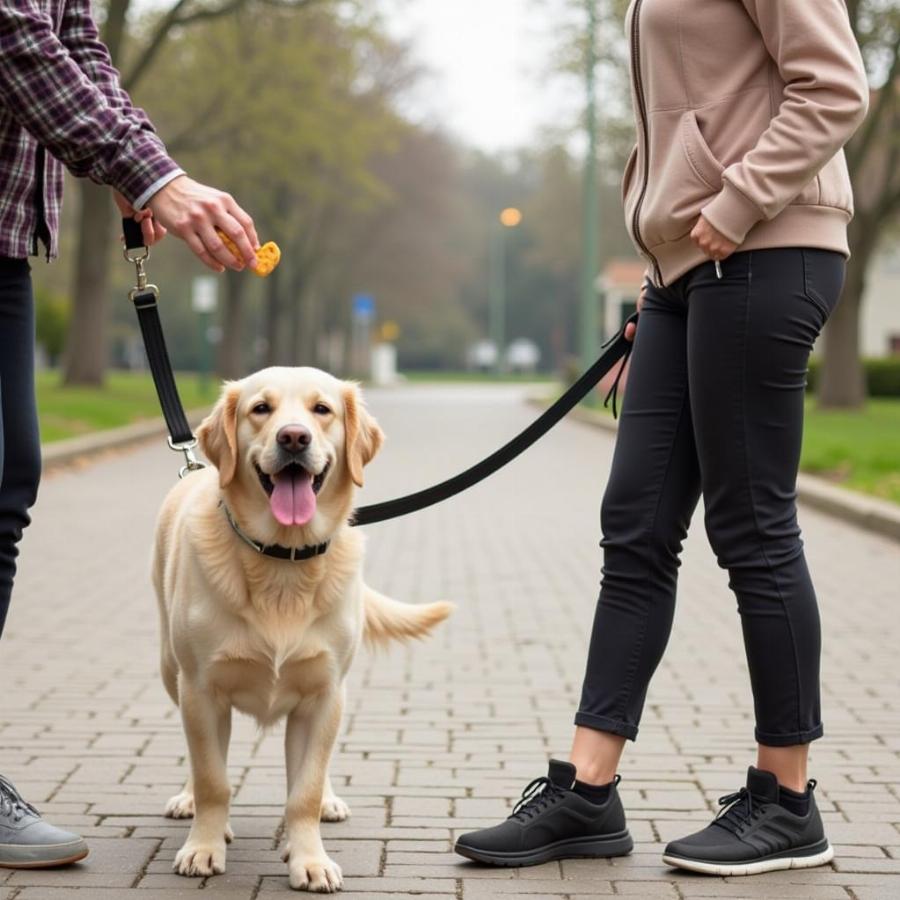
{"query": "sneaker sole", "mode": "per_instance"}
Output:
(45, 863)
(618, 844)
(797, 858)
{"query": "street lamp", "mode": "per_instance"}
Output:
(591, 224)
(509, 218)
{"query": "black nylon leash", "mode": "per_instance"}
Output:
(145, 298)
(617, 348)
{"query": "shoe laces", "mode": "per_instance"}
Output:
(537, 797)
(738, 810)
(12, 803)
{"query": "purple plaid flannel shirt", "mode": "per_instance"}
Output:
(61, 104)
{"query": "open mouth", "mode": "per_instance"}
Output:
(292, 492)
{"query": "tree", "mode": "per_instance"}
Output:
(873, 158)
(136, 51)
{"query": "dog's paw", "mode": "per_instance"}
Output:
(229, 834)
(315, 873)
(334, 810)
(200, 860)
(181, 806)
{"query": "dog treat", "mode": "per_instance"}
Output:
(268, 256)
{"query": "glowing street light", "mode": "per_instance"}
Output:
(510, 217)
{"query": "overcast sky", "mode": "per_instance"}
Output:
(489, 62)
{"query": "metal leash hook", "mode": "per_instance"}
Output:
(137, 256)
(191, 463)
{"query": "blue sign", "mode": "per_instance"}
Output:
(363, 307)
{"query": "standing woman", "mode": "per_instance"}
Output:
(738, 198)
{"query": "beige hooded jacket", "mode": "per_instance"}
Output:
(742, 110)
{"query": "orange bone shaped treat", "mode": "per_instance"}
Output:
(268, 256)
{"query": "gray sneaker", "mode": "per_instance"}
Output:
(27, 841)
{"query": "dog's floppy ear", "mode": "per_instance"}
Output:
(363, 437)
(217, 434)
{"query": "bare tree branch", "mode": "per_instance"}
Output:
(154, 45)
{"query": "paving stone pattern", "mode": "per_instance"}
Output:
(440, 737)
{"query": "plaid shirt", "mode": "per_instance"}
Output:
(61, 104)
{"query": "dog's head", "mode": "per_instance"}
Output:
(296, 439)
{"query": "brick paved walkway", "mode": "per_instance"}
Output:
(440, 737)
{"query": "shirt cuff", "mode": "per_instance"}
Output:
(731, 213)
(156, 187)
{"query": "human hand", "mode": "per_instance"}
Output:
(631, 328)
(713, 243)
(152, 230)
(193, 212)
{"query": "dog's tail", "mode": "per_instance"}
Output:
(389, 620)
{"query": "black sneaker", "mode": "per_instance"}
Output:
(551, 821)
(754, 834)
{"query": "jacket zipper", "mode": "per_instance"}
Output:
(645, 130)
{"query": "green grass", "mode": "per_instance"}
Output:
(127, 397)
(859, 450)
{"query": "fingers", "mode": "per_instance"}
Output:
(630, 331)
(198, 247)
(244, 220)
(216, 248)
(238, 234)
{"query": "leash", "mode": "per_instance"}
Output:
(145, 298)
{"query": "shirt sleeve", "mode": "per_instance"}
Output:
(64, 91)
(826, 97)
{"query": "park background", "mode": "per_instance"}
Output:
(378, 143)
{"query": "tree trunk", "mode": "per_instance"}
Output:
(230, 364)
(842, 384)
(85, 354)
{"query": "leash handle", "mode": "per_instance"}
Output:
(145, 298)
(619, 347)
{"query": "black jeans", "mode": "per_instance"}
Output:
(20, 446)
(715, 405)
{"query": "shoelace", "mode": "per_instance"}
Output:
(539, 794)
(12, 803)
(738, 810)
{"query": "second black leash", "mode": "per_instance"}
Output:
(145, 298)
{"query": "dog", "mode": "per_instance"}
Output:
(272, 637)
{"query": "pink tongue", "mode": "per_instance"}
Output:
(293, 501)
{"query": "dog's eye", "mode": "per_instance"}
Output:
(261, 409)
(320, 409)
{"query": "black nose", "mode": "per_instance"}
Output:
(294, 437)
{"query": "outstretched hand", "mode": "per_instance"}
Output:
(194, 212)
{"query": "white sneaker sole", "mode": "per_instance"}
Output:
(754, 868)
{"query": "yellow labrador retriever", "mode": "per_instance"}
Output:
(262, 603)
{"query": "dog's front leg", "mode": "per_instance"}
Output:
(204, 722)
(309, 740)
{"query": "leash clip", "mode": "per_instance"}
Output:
(137, 256)
(191, 463)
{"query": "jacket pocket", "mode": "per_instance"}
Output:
(684, 176)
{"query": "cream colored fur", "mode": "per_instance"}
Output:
(269, 637)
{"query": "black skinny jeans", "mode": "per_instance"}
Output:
(20, 446)
(715, 405)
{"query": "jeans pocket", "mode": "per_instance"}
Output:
(823, 279)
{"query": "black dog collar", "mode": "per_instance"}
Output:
(292, 553)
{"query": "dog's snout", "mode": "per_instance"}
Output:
(294, 437)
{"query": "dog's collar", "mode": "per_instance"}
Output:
(277, 550)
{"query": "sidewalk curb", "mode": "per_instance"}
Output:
(62, 453)
(871, 513)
